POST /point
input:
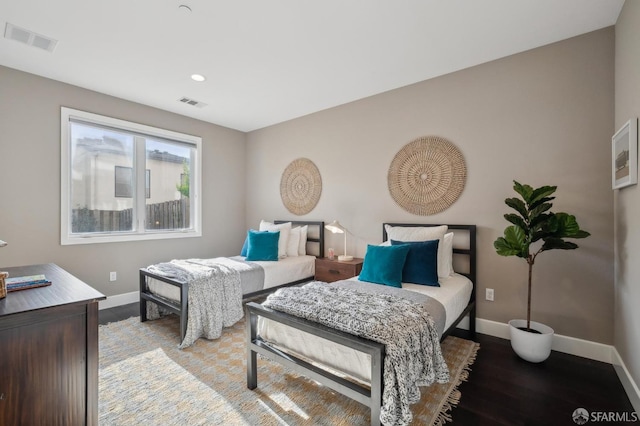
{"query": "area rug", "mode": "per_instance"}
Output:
(146, 379)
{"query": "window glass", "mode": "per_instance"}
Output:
(126, 181)
(100, 157)
(168, 208)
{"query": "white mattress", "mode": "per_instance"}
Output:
(288, 270)
(283, 271)
(454, 294)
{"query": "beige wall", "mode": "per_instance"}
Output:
(542, 117)
(627, 200)
(30, 184)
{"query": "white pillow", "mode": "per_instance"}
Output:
(283, 240)
(422, 233)
(302, 245)
(294, 242)
(447, 252)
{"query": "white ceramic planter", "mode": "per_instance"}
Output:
(531, 347)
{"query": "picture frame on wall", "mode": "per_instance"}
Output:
(624, 155)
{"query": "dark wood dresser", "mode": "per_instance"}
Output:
(49, 351)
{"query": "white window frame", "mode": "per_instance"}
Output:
(139, 233)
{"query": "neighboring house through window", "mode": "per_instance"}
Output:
(124, 182)
(108, 169)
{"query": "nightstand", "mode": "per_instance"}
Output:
(333, 270)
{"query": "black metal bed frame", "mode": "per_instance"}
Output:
(181, 306)
(369, 396)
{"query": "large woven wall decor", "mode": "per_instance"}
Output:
(300, 186)
(427, 175)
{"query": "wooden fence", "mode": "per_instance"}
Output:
(168, 215)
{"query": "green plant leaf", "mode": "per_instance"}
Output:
(536, 236)
(503, 248)
(539, 221)
(536, 212)
(514, 242)
(516, 220)
(518, 205)
(567, 227)
(540, 201)
(558, 243)
(581, 234)
(542, 192)
(524, 190)
(550, 226)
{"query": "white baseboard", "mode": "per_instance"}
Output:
(630, 386)
(566, 344)
(119, 299)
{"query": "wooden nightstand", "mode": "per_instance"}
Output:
(333, 270)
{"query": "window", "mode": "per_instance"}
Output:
(108, 169)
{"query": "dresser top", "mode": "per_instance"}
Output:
(65, 289)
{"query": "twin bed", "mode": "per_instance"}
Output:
(172, 295)
(344, 362)
(348, 364)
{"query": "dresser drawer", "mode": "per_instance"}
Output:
(333, 270)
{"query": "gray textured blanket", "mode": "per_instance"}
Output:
(431, 305)
(215, 296)
(413, 356)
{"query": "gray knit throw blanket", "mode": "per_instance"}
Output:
(215, 296)
(413, 356)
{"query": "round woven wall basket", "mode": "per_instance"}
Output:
(427, 175)
(300, 186)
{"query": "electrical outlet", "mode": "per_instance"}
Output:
(489, 294)
(113, 276)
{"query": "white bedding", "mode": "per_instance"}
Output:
(288, 270)
(283, 271)
(454, 294)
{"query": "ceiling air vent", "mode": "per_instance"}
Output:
(30, 38)
(192, 102)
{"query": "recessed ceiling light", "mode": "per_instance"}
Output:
(198, 77)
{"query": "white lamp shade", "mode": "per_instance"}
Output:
(3, 243)
(335, 227)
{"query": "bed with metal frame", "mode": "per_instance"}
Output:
(370, 396)
(180, 307)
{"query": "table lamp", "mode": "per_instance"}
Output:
(336, 228)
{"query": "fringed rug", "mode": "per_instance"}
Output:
(145, 379)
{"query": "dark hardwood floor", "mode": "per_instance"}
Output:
(504, 390)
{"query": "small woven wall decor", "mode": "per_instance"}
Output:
(300, 186)
(427, 175)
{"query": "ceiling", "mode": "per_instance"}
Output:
(271, 61)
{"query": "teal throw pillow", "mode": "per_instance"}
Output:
(263, 245)
(383, 264)
(245, 246)
(421, 266)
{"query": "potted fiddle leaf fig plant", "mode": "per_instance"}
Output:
(534, 229)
